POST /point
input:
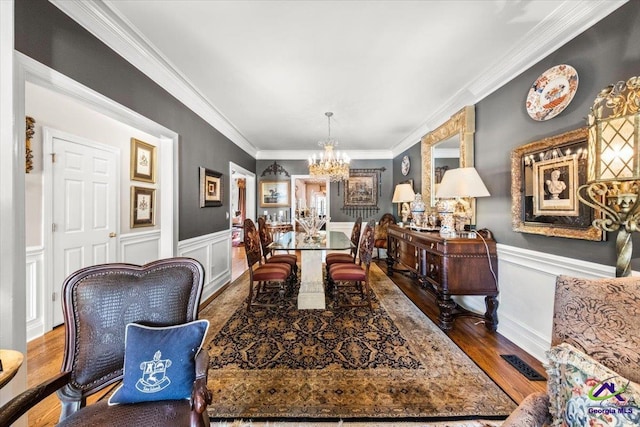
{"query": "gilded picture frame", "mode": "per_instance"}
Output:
(142, 207)
(143, 161)
(532, 208)
(274, 194)
(210, 188)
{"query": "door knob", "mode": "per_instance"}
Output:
(112, 234)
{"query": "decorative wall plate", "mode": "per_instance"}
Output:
(406, 165)
(552, 92)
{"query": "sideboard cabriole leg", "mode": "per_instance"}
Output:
(491, 315)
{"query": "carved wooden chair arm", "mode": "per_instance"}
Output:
(200, 395)
(19, 405)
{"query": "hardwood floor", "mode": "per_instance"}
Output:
(44, 354)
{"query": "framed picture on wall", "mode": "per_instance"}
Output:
(274, 194)
(554, 187)
(210, 188)
(361, 190)
(142, 207)
(143, 161)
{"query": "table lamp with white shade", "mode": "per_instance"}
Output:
(458, 184)
(403, 194)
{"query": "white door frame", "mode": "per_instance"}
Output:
(250, 207)
(48, 134)
(29, 70)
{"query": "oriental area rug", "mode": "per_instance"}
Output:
(284, 364)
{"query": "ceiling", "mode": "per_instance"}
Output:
(265, 72)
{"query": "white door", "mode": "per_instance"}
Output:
(84, 210)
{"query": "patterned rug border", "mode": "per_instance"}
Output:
(415, 326)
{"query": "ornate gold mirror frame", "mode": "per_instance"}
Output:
(461, 124)
(555, 152)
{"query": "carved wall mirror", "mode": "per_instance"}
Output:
(538, 204)
(440, 147)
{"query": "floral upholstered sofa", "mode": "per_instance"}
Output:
(594, 362)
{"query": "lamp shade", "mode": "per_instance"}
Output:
(461, 182)
(403, 193)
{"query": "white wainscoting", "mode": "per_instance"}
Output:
(527, 288)
(34, 284)
(214, 253)
(140, 247)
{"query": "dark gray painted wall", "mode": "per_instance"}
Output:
(47, 35)
(300, 167)
(604, 54)
(415, 171)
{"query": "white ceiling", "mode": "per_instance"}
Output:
(265, 72)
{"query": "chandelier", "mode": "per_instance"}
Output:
(331, 164)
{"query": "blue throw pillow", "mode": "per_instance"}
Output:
(159, 362)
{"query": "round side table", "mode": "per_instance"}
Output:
(11, 362)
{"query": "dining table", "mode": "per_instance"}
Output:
(311, 294)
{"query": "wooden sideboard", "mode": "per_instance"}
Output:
(446, 267)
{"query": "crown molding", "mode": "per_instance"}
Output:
(570, 19)
(305, 154)
(117, 33)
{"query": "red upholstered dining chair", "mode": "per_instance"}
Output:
(343, 277)
(268, 276)
(381, 232)
(98, 304)
(341, 257)
(269, 257)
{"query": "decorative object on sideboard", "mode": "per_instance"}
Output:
(552, 92)
(613, 179)
(418, 208)
(30, 122)
(275, 169)
(143, 161)
(210, 188)
(403, 194)
(561, 222)
(405, 165)
(330, 163)
(461, 184)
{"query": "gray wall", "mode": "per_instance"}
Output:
(300, 167)
(47, 35)
(604, 54)
(415, 171)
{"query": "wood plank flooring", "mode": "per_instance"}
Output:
(44, 354)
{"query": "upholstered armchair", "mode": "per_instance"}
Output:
(380, 237)
(100, 303)
(599, 317)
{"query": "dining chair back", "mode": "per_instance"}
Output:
(266, 239)
(267, 277)
(342, 277)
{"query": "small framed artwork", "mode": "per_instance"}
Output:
(274, 194)
(143, 161)
(554, 187)
(210, 188)
(142, 207)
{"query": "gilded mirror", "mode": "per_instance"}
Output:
(456, 132)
